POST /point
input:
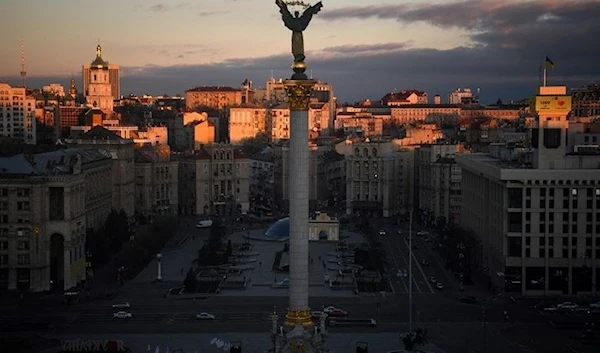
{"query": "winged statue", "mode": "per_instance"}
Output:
(297, 24)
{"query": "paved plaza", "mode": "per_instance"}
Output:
(262, 279)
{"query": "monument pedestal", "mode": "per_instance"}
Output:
(298, 338)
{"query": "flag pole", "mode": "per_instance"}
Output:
(545, 78)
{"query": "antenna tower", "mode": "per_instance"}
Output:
(23, 72)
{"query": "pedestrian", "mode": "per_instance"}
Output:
(182, 270)
(259, 264)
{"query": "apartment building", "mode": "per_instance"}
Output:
(217, 97)
(535, 225)
(246, 121)
(17, 114)
(156, 181)
(437, 179)
(123, 170)
(379, 177)
(213, 180)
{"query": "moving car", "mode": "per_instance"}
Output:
(124, 305)
(432, 279)
(439, 286)
(204, 224)
(567, 305)
(424, 263)
(422, 232)
(400, 232)
(205, 316)
(284, 282)
(122, 315)
(316, 314)
(382, 232)
(329, 309)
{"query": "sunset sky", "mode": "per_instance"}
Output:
(364, 47)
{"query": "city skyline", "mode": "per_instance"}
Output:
(364, 48)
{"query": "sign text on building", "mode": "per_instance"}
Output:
(553, 103)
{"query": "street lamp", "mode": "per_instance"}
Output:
(159, 257)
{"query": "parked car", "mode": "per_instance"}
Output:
(122, 315)
(338, 313)
(204, 224)
(595, 305)
(205, 316)
(439, 286)
(469, 299)
(432, 279)
(400, 232)
(124, 305)
(329, 309)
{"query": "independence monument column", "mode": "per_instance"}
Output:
(298, 322)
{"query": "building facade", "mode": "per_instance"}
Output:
(156, 181)
(104, 67)
(17, 114)
(536, 226)
(42, 223)
(438, 178)
(217, 97)
(123, 165)
(379, 177)
(213, 180)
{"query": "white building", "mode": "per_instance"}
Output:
(54, 88)
(17, 114)
(460, 95)
(99, 82)
(536, 227)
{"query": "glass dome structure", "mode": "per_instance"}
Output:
(279, 229)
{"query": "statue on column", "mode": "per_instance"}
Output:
(297, 24)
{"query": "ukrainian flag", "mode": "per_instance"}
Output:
(549, 63)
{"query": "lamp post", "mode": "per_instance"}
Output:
(159, 257)
(410, 277)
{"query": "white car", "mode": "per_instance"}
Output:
(567, 305)
(121, 305)
(422, 232)
(382, 232)
(317, 314)
(205, 316)
(595, 305)
(330, 309)
(439, 286)
(122, 315)
(204, 224)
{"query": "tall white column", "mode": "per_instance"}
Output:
(299, 92)
(299, 190)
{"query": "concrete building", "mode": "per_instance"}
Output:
(379, 177)
(246, 121)
(213, 180)
(361, 123)
(42, 223)
(583, 136)
(405, 97)
(262, 178)
(460, 96)
(99, 80)
(408, 114)
(156, 181)
(535, 226)
(17, 114)
(217, 97)
(437, 179)
(54, 88)
(586, 101)
(123, 171)
(102, 66)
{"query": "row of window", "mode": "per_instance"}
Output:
(22, 259)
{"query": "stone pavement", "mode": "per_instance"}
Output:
(250, 342)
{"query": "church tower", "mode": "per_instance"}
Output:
(73, 89)
(97, 87)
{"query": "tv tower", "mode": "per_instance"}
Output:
(23, 72)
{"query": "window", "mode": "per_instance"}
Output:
(23, 259)
(3, 245)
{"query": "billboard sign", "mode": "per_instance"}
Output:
(553, 103)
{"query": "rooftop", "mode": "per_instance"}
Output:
(213, 89)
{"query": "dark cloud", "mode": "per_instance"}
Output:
(210, 13)
(508, 42)
(158, 7)
(164, 7)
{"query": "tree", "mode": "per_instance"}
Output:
(415, 339)
(256, 144)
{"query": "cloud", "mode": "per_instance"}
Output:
(210, 13)
(158, 7)
(508, 41)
